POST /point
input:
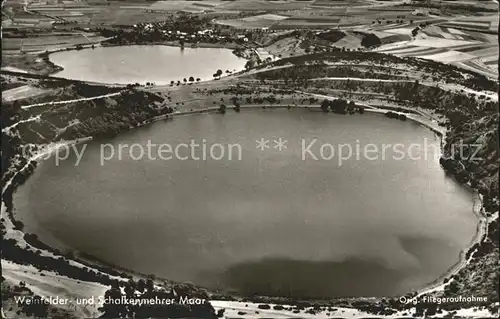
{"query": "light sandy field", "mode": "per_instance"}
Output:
(447, 57)
(490, 59)
(440, 42)
(304, 24)
(455, 31)
(285, 47)
(350, 41)
(490, 70)
(260, 5)
(181, 5)
(22, 92)
(405, 31)
(486, 23)
(13, 69)
(273, 17)
(259, 21)
(412, 50)
(487, 52)
(49, 284)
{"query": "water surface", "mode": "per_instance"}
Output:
(144, 63)
(271, 223)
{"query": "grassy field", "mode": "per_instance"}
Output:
(50, 42)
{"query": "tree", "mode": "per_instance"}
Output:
(191, 79)
(218, 73)
(172, 83)
(184, 80)
(38, 308)
(237, 105)
(351, 107)
(324, 105)
(198, 79)
(222, 109)
(249, 64)
(338, 106)
(370, 40)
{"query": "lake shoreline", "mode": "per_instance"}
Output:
(51, 69)
(477, 237)
(83, 65)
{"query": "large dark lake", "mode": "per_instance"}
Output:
(271, 223)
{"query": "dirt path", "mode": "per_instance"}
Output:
(31, 119)
(72, 101)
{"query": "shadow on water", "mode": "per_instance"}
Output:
(312, 279)
(353, 277)
(435, 256)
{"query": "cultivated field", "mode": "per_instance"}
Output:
(471, 43)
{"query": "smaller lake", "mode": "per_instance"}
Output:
(144, 63)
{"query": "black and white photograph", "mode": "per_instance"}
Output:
(250, 159)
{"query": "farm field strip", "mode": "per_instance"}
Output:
(490, 59)
(446, 56)
(491, 51)
(455, 31)
(492, 64)
(471, 48)
(398, 28)
(441, 43)
(413, 50)
(474, 68)
(484, 25)
(423, 53)
(448, 35)
(437, 44)
(478, 65)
